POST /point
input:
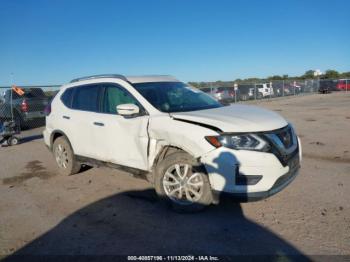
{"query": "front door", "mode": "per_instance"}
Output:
(120, 140)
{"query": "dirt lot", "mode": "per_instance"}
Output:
(105, 211)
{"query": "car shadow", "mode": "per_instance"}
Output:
(140, 223)
(27, 139)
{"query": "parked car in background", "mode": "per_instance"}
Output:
(245, 92)
(296, 87)
(221, 94)
(327, 86)
(265, 89)
(191, 149)
(26, 108)
(343, 84)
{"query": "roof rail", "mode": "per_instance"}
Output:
(99, 76)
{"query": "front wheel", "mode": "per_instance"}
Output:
(183, 183)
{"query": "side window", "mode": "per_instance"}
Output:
(115, 96)
(86, 98)
(66, 97)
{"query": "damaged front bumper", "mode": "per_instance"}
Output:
(249, 174)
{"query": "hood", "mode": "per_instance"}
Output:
(235, 118)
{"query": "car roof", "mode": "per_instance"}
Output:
(151, 78)
(131, 79)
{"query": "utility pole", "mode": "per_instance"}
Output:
(235, 88)
(11, 95)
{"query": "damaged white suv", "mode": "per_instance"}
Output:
(189, 146)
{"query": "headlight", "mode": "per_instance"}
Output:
(239, 142)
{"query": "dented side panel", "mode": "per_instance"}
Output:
(165, 131)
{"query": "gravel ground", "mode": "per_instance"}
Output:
(105, 211)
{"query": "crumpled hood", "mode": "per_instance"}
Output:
(235, 118)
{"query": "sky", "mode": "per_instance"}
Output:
(52, 42)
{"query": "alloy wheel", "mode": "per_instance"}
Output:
(181, 185)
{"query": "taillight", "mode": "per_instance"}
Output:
(24, 106)
(47, 109)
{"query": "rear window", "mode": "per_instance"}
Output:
(66, 97)
(34, 92)
(86, 98)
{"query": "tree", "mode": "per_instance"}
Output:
(309, 74)
(275, 77)
(345, 75)
(331, 74)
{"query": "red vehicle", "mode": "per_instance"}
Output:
(343, 84)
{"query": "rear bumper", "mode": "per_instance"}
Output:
(29, 116)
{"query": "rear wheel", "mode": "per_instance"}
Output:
(183, 183)
(12, 141)
(64, 157)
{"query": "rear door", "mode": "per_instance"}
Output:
(85, 111)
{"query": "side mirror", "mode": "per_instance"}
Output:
(127, 109)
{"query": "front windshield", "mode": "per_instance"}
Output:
(175, 97)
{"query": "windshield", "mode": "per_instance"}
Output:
(175, 97)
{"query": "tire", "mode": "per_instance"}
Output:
(65, 158)
(12, 141)
(193, 184)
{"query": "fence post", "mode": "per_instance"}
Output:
(282, 87)
(294, 84)
(254, 91)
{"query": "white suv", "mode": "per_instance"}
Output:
(189, 146)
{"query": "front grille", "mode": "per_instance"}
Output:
(286, 137)
(283, 144)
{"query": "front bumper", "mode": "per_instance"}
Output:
(279, 185)
(223, 165)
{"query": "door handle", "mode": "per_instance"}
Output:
(98, 124)
(66, 117)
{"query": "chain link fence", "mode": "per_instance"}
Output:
(25, 105)
(244, 91)
(22, 109)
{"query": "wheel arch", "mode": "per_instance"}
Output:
(164, 151)
(56, 134)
